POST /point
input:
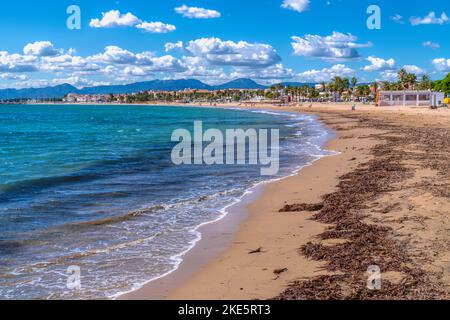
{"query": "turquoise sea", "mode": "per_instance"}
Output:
(94, 187)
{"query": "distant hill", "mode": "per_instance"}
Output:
(240, 84)
(168, 85)
(37, 93)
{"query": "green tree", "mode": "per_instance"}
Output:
(411, 81)
(402, 76)
(426, 83)
(443, 85)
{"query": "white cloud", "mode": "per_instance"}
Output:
(76, 81)
(325, 74)
(114, 62)
(414, 69)
(197, 13)
(159, 64)
(156, 27)
(432, 45)
(230, 53)
(68, 63)
(166, 63)
(13, 76)
(296, 5)
(392, 75)
(337, 46)
(113, 19)
(274, 72)
(389, 75)
(397, 19)
(12, 63)
(121, 62)
(169, 46)
(115, 55)
(379, 64)
(430, 18)
(442, 64)
(40, 49)
(197, 68)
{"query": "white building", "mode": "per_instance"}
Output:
(424, 98)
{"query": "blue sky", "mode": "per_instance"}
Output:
(219, 40)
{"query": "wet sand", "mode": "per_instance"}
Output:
(383, 200)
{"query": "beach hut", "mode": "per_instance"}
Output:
(411, 98)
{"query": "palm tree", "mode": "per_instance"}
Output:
(411, 80)
(402, 74)
(426, 83)
(354, 82)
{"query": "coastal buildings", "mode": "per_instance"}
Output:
(86, 98)
(417, 98)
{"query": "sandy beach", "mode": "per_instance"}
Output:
(383, 201)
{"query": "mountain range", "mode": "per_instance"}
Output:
(60, 91)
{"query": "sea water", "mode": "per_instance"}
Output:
(95, 187)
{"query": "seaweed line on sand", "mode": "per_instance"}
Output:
(366, 243)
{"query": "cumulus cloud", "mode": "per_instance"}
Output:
(136, 64)
(156, 27)
(230, 53)
(392, 74)
(325, 74)
(430, 18)
(169, 46)
(275, 72)
(166, 63)
(12, 63)
(296, 5)
(117, 55)
(414, 69)
(113, 19)
(389, 75)
(379, 64)
(432, 45)
(159, 64)
(442, 64)
(209, 57)
(114, 62)
(40, 49)
(199, 68)
(337, 46)
(197, 13)
(68, 63)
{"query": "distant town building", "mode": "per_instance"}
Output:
(425, 98)
(84, 98)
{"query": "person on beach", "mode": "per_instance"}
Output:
(354, 107)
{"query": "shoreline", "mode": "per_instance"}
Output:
(257, 280)
(196, 260)
(184, 283)
(215, 236)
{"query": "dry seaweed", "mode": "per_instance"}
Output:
(302, 207)
(373, 244)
